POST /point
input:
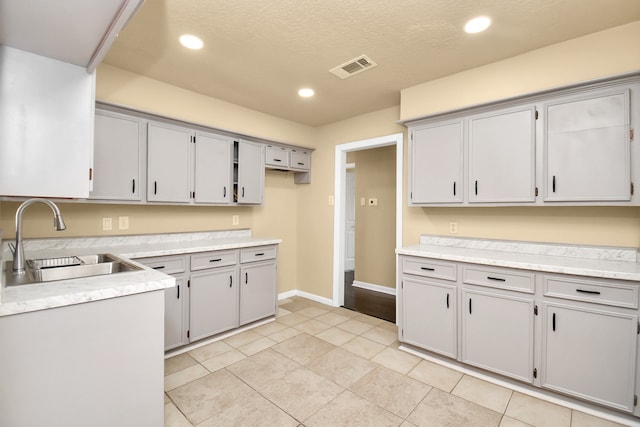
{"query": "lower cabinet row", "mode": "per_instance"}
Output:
(577, 336)
(216, 291)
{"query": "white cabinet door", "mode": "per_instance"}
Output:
(429, 315)
(168, 164)
(46, 126)
(258, 291)
(497, 333)
(587, 148)
(590, 354)
(116, 164)
(250, 173)
(213, 297)
(175, 327)
(436, 164)
(502, 156)
(213, 169)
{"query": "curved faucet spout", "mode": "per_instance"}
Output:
(58, 223)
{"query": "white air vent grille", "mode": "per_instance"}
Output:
(353, 67)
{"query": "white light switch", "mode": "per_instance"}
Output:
(363, 201)
(235, 220)
(107, 224)
(331, 201)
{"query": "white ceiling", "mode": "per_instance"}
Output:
(257, 54)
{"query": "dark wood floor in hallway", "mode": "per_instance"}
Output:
(377, 304)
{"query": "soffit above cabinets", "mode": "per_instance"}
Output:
(75, 31)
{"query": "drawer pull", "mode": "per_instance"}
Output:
(584, 291)
(215, 260)
(160, 267)
(497, 279)
(301, 164)
(260, 254)
(427, 268)
(277, 160)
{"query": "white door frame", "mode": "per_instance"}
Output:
(339, 245)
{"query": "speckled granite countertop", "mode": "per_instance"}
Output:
(594, 261)
(42, 296)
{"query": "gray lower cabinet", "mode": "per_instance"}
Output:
(570, 334)
(213, 298)
(497, 333)
(216, 291)
(590, 343)
(176, 300)
(428, 302)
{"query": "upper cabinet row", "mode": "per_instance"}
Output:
(573, 147)
(183, 165)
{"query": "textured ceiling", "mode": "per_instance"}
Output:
(257, 54)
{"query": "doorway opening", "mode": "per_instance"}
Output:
(345, 200)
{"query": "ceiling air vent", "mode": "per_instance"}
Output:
(353, 67)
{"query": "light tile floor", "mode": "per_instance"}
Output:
(322, 366)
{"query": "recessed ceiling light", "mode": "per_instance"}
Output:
(191, 42)
(478, 24)
(306, 92)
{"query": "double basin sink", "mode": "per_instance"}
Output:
(64, 268)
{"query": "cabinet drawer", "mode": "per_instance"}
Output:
(619, 294)
(502, 278)
(277, 156)
(300, 160)
(165, 264)
(258, 253)
(214, 259)
(429, 268)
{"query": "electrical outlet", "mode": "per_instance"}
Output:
(453, 227)
(123, 222)
(235, 219)
(107, 224)
(363, 201)
(373, 201)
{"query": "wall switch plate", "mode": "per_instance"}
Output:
(453, 227)
(235, 220)
(107, 224)
(373, 201)
(123, 222)
(331, 201)
(363, 201)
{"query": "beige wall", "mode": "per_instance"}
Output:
(315, 237)
(597, 55)
(375, 173)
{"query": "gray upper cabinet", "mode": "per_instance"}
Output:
(502, 156)
(168, 164)
(587, 148)
(213, 168)
(567, 147)
(436, 163)
(117, 157)
(250, 183)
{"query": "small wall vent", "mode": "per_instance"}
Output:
(353, 67)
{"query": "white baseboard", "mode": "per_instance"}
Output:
(307, 295)
(373, 287)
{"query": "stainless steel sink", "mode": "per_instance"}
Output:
(64, 268)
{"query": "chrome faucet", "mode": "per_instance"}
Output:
(18, 251)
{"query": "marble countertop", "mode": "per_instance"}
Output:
(41, 296)
(595, 261)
